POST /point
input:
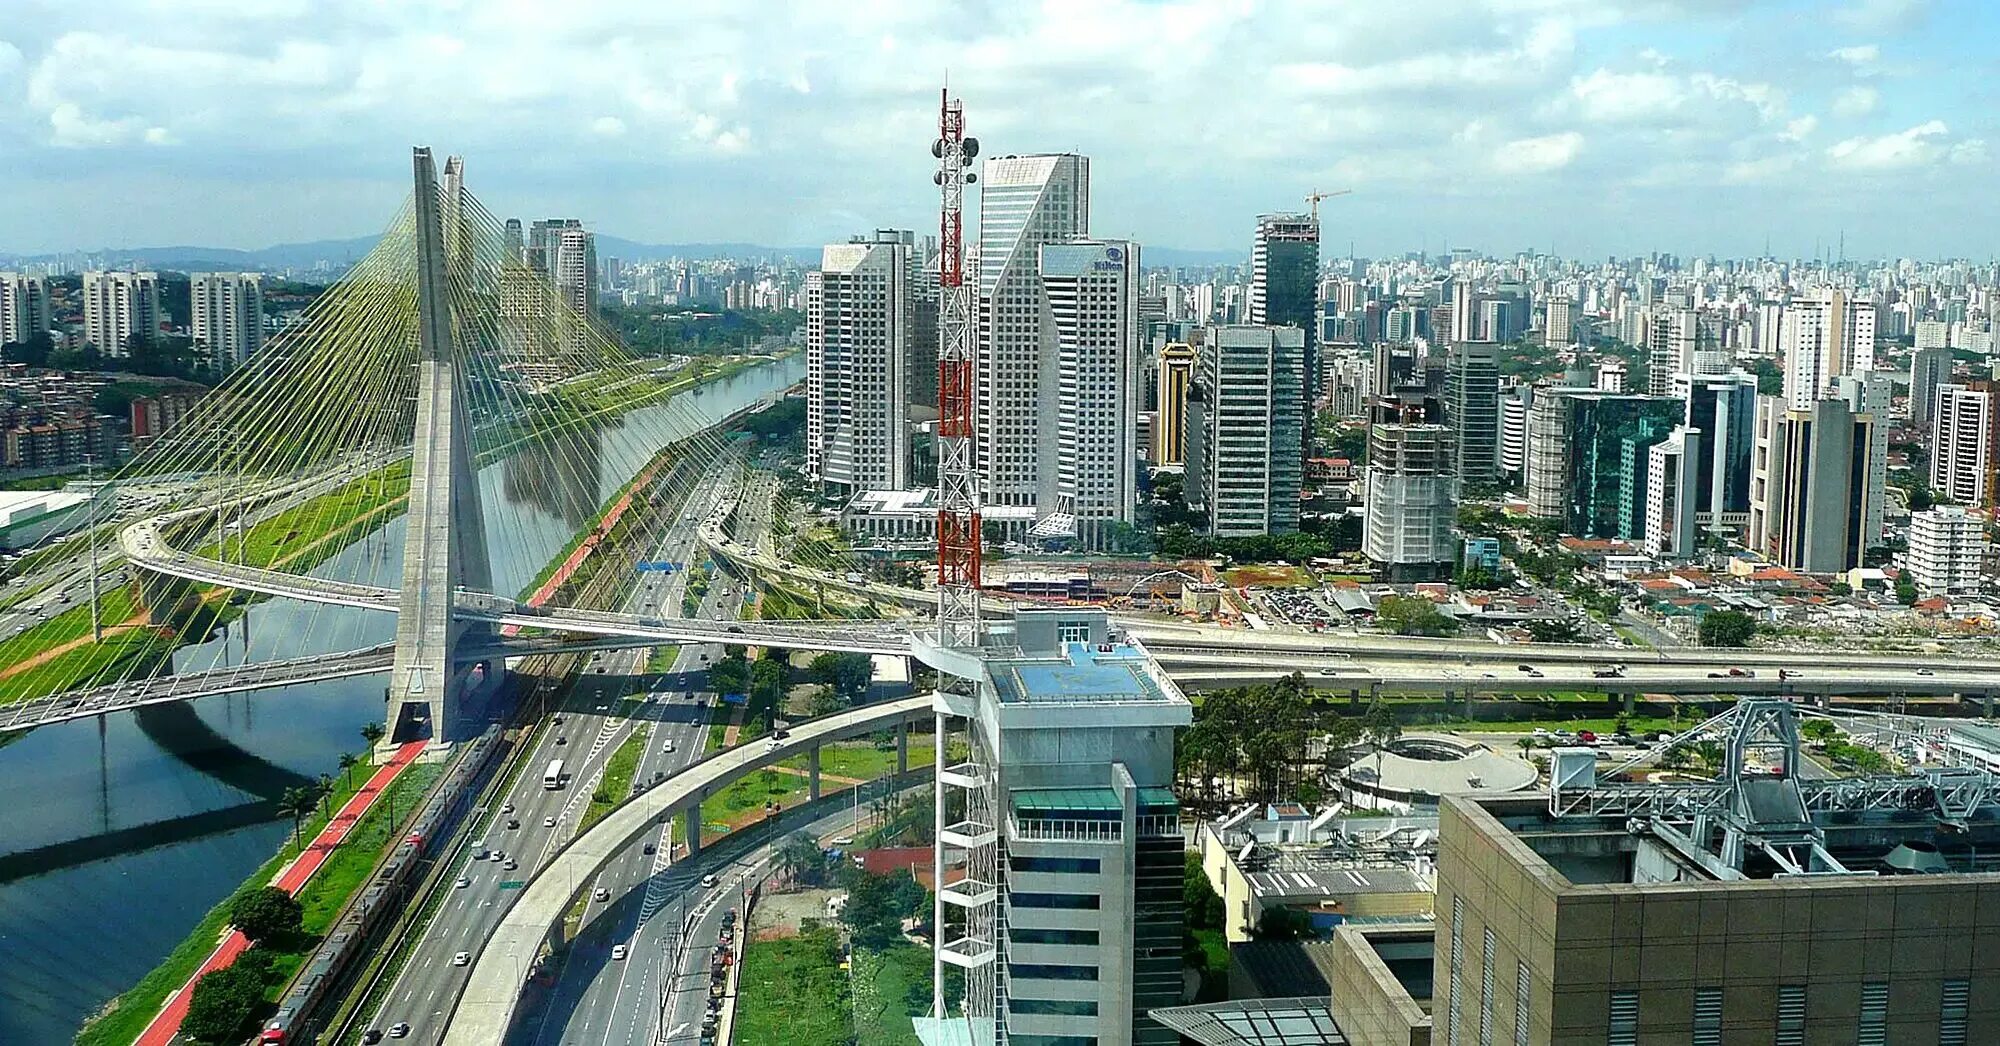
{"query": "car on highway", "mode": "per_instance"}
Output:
(1926, 672)
(511, 864)
(463, 882)
(461, 958)
(600, 894)
(507, 808)
(549, 821)
(668, 747)
(496, 856)
(399, 1030)
(513, 823)
(650, 849)
(371, 1037)
(618, 952)
(1524, 668)
(562, 740)
(709, 880)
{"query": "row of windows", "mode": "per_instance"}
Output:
(1870, 1029)
(1027, 971)
(1070, 901)
(1073, 865)
(1026, 935)
(1052, 1008)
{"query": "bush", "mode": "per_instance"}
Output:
(1727, 628)
(1204, 905)
(223, 1002)
(266, 914)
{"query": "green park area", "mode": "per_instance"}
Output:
(616, 783)
(324, 897)
(792, 990)
(888, 986)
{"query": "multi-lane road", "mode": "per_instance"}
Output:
(584, 736)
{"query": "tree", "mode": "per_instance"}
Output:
(1555, 630)
(1279, 923)
(298, 803)
(1818, 730)
(731, 675)
(222, 1003)
(373, 732)
(266, 914)
(1202, 903)
(877, 905)
(1414, 616)
(1906, 590)
(1731, 628)
(801, 860)
(348, 761)
(848, 674)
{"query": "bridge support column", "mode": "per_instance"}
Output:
(691, 828)
(903, 742)
(444, 547)
(1631, 701)
(1988, 703)
(812, 774)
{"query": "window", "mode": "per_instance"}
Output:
(1486, 991)
(1023, 971)
(1873, 1028)
(1025, 935)
(1457, 969)
(1076, 865)
(1052, 1040)
(1071, 901)
(1952, 1007)
(1054, 1007)
(1791, 1016)
(1520, 1004)
(1624, 1018)
(1708, 1017)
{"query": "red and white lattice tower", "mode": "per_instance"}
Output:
(958, 484)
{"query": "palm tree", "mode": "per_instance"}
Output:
(296, 803)
(348, 760)
(373, 732)
(325, 793)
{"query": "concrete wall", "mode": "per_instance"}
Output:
(1368, 1003)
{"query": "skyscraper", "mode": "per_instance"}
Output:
(1559, 329)
(1024, 202)
(1412, 500)
(1177, 363)
(24, 307)
(1605, 467)
(1670, 348)
(1472, 408)
(1825, 338)
(566, 252)
(1515, 404)
(858, 319)
(1930, 367)
(1284, 282)
(1809, 485)
(1670, 494)
(1092, 291)
(1723, 408)
(1962, 444)
(1867, 391)
(119, 306)
(1244, 420)
(227, 316)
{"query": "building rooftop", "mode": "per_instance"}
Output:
(1084, 673)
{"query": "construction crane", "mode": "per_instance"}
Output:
(1313, 199)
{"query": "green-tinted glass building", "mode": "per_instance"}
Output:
(1609, 436)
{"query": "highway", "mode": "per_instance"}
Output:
(593, 728)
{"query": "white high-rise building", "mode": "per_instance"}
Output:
(24, 307)
(574, 268)
(1670, 348)
(1559, 328)
(1945, 548)
(858, 322)
(1933, 334)
(1412, 500)
(1024, 203)
(1962, 444)
(116, 307)
(1671, 471)
(1092, 290)
(1515, 403)
(1245, 416)
(226, 312)
(1825, 338)
(1868, 391)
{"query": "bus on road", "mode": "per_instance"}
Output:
(554, 778)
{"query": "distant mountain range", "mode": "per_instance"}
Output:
(341, 253)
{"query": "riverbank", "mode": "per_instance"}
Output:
(346, 866)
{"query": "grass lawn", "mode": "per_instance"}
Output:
(864, 761)
(1214, 948)
(1268, 576)
(1599, 725)
(121, 655)
(752, 792)
(793, 991)
(617, 780)
(889, 987)
(126, 1016)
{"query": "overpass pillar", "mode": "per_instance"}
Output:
(812, 774)
(1989, 704)
(691, 827)
(903, 742)
(1631, 701)
(444, 547)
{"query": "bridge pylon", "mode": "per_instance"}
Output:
(444, 547)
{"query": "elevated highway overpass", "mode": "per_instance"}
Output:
(486, 1007)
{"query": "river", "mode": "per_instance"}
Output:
(151, 809)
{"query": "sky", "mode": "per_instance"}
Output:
(1582, 127)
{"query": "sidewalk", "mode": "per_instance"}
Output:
(167, 1024)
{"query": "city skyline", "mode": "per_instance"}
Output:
(1584, 129)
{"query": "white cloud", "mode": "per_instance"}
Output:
(607, 127)
(1859, 55)
(1856, 101)
(1538, 155)
(1610, 97)
(1764, 169)
(1919, 146)
(1883, 14)
(1799, 129)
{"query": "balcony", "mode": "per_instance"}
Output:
(969, 835)
(968, 775)
(967, 953)
(968, 893)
